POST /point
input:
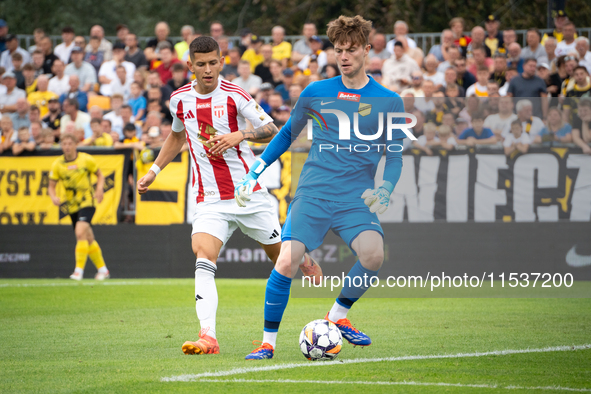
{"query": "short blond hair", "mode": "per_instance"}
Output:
(445, 129)
(68, 136)
(346, 29)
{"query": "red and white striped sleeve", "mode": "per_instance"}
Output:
(176, 110)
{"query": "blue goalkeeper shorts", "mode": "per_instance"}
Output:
(309, 219)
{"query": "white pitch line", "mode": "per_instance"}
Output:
(403, 383)
(88, 283)
(239, 371)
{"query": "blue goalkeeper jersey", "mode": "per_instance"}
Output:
(345, 150)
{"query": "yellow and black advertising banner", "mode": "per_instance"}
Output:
(165, 202)
(24, 181)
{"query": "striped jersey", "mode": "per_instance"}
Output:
(204, 116)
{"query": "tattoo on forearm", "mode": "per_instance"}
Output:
(261, 133)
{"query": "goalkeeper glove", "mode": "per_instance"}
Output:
(378, 199)
(246, 185)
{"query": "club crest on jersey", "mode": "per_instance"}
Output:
(206, 130)
(349, 96)
(218, 110)
(364, 109)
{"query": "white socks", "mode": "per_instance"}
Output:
(79, 271)
(206, 294)
(270, 338)
(337, 312)
(103, 269)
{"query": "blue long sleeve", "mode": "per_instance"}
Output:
(393, 167)
(278, 145)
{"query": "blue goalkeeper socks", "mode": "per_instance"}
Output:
(355, 285)
(276, 298)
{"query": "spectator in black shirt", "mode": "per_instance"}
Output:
(52, 119)
(50, 57)
(262, 70)
(134, 54)
(178, 76)
(276, 72)
(465, 79)
(162, 31)
(500, 67)
(543, 71)
(556, 79)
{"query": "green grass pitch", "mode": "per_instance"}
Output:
(125, 336)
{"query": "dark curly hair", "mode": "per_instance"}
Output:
(203, 44)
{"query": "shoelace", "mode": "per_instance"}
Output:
(261, 346)
(203, 332)
(348, 324)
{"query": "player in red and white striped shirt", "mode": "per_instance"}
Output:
(212, 111)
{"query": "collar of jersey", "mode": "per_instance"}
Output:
(355, 90)
(204, 96)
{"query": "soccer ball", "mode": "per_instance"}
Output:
(147, 155)
(321, 340)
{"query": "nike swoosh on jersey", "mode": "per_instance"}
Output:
(271, 303)
(577, 260)
(328, 102)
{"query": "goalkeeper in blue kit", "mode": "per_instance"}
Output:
(351, 132)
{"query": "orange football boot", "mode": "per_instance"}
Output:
(205, 344)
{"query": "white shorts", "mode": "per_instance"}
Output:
(259, 219)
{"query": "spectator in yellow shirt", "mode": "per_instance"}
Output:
(41, 97)
(187, 32)
(253, 54)
(281, 49)
(98, 138)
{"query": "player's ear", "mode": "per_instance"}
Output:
(222, 62)
(190, 65)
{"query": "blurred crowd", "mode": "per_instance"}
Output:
(481, 88)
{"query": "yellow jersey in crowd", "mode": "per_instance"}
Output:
(282, 51)
(76, 179)
(104, 140)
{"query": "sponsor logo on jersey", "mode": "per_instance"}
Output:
(73, 167)
(218, 110)
(189, 115)
(204, 105)
(349, 96)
